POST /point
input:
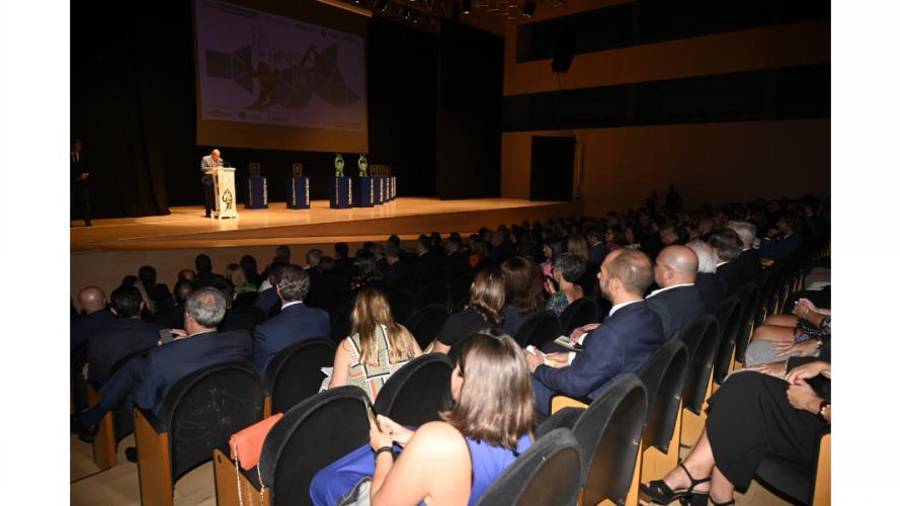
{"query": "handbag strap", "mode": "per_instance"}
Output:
(237, 474)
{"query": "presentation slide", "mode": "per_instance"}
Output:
(304, 81)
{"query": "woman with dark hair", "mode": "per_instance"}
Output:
(524, 292)
(366, 273)
(486, 298)
(551, 249)
(567, 271)
(615, 237)
(251, 271)
(633, 237)
(489, 425)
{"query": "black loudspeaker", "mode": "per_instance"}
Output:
(564, 51)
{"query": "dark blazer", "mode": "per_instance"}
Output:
(676, 307)
(780, 249)
(120, 338)
(712, 290)
(84, 327)
(266, 300)
(205, 279)
(730, 274)
(456, 265)
(77, 168)
(428, 268)
(292, 325)
(399, 276)
(597, 253)
(170, 362)
(749, 266)
(621, 345)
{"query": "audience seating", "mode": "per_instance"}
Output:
(425, 323)
(579, 313)
(609, 433)
(729, 316)
(197, 415)
(809, 485)
(78, 384)
(403, 303)
(342, 323)
(547, 473)
(748, 296)
(418, 391)
(295, 374)
(434, 293)
(701, 337)
(540, 328)
(308, 437)
(664, 377)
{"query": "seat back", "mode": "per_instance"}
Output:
(609, 433)
(663, 376)
(748, 296)
(538, 329)
(701, 337)
(418, 391)
(729, 317)
(546, 473)
(205, 408)
(764, 290)
(295, 373)
(581, 312)
(425, 323)
(790, 479)
(123, 419)
(310, 436)
(402, 303)
(434, 293)
(564, 418)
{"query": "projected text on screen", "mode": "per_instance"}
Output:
(255, 67)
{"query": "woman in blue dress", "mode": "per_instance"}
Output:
(454, 461)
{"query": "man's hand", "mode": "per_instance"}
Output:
(807, 371)
(577, 334)
(549, 286)
(801, 396)
(559, 359)
(400, 434)
(533, 360)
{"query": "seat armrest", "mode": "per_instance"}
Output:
(561, 401)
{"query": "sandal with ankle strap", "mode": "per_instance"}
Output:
(703, 499)
(659, 492)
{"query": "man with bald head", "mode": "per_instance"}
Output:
(677, 301)
(94, 316)
(622, 344)
(208, 164)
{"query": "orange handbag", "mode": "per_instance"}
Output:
(246, 447)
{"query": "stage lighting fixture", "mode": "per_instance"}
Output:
(466, 6)
(528, 9)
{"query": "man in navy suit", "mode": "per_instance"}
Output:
(125, 335)
(622, 344)
(295, 323)
(143, 382)
(93, 302)
(677, 301)
(748, 263)
(727, 245)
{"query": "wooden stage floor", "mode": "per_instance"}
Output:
(186, 227)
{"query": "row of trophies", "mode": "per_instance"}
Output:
(373, 186)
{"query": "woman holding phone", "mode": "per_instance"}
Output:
(489, 425)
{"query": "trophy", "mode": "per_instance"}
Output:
(338, 165)
(363, 166)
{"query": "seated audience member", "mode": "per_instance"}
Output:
(710, 286)
(158, 293)
(597, 250)
(366, 273)
(633, 239)
(143, 382)
(235, 275)
(784, 336)
(93, 304)
(748, 262)
(524, 292)
(205, 275)
(727, 245)
(295, 323)
(784, 241)
(377, 343)
(626, 339)
(614, 237)
(550, 250)
(501, 246)
(397, 274)
(455, 263)
(567, 270)
(428, 265)
(486, 298)
(453, 461)
(251, 271)
(123, 336)
(342, 260)
(750, 417)
(186, 275)
(267, 300)
(173, 317)
(577, 245)
(677, 301)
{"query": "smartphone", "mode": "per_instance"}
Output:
(372, 416)
(165, 336)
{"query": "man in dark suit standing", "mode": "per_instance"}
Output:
(622, 344)
(143, 382)
(677, 301)
(125, 335)
(295, 323)
(93, 302)
(80, 176)
(208, 164)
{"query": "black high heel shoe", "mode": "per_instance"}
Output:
(659, 492)
(703, 499)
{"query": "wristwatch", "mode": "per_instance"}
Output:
(822, 407)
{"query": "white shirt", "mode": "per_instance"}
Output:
(720, 264)
(265, 285)
(661, 290)
(289, 304)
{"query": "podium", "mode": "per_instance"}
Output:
(379, 190)
(364, 192)
(393, 192)
(298, 192)
(257, 192)
(223, 189)
(340, 192)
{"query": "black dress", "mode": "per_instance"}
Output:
(749, 418)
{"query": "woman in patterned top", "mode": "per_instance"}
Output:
(567, 270)
(377, 345)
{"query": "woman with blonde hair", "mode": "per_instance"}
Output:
(577, 245)
(486, 298)
(488, 427)
(376, 344)
(238, 278)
